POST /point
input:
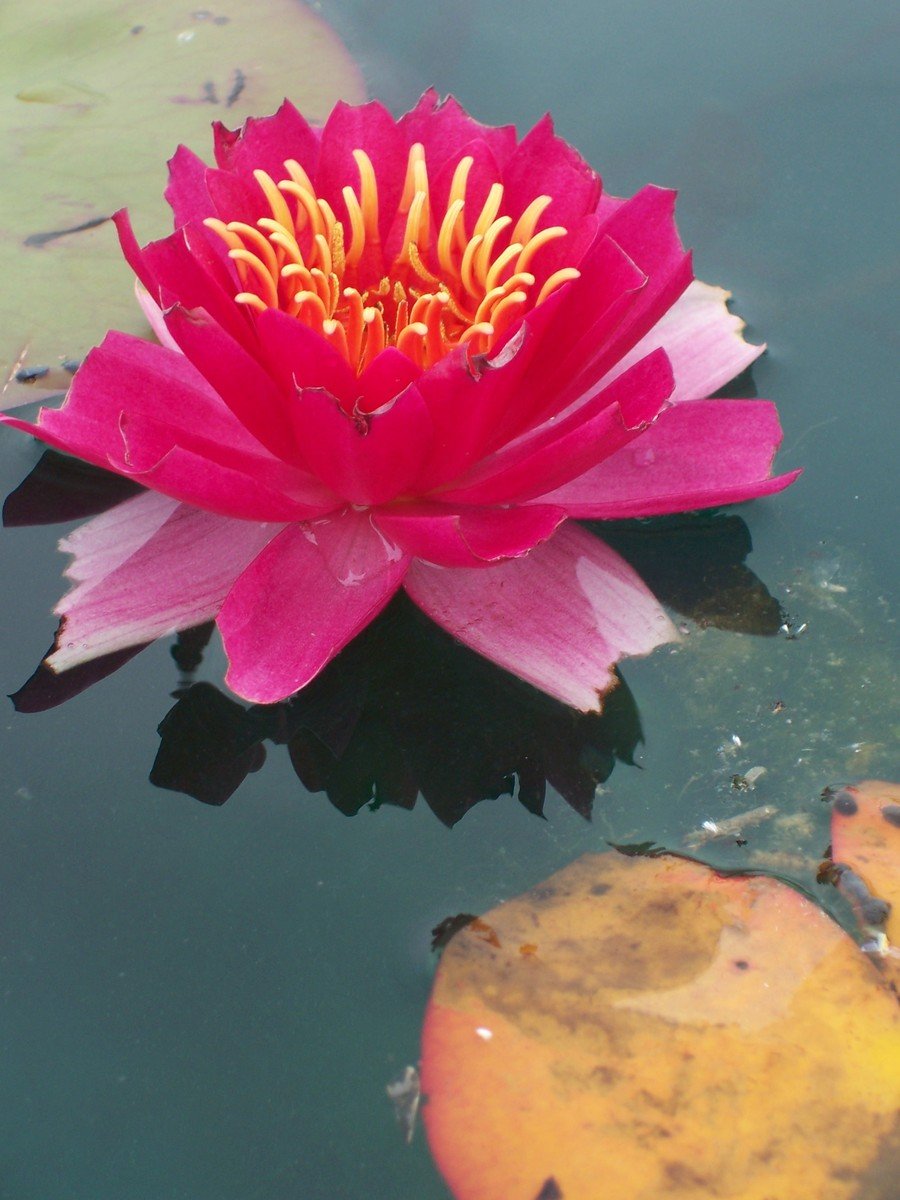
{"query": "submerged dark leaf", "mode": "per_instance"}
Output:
(60, 488)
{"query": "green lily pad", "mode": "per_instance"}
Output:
(94, 99)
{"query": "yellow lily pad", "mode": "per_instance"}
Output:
(647, 1028)
(94, 98)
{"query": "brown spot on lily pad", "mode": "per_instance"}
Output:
(621, 1061)
(867, 840)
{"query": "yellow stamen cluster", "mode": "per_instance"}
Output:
(451, 282)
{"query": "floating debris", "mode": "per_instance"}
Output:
(730, 827)
(747, 781)
(404, 1093)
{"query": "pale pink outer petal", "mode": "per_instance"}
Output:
(149, 567)
(704, 342)
(155, 318)
(560, 618)
(698, 454)
(304, 598)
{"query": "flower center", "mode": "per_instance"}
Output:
(463, 287)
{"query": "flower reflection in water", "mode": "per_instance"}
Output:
(405, 710)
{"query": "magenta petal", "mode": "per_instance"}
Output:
(266, 142)
(187, 193)
(699, 453)
(463, 537)
(445, 129)
(366, 458)
(146, 568)
(144, 412)
(155, 318)
(298, 357)
(559, 618)
(247, 390)
(385, 378)
(544, 164)
(562, 447)
(183, 269)
(703, 340)
(574, 325)
(644, 227)
(302, 600)
(369, 127)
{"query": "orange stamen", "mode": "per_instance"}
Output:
(467, 289)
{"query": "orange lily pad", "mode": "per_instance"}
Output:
(647, 1028)
(865, 836)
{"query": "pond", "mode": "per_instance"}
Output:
(207, 1001)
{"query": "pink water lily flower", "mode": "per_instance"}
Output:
(401, 353)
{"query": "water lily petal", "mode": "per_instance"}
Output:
(247, 390)
(447, 132)
(544, 164)
(155, 318)
(143, 411)
(467, 537)
(385, 378)
(184, 269)
(187, 193)
(560, 618)
(265, 143)
(566, 338)
(366, 458)
(369, 127)
(644, 227)
(469, 400)
(560, 449)
(704, 342)
(148, 567)
(698, 454)
(299, 357)
(311, 590)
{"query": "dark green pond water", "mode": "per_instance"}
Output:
(206, 1002)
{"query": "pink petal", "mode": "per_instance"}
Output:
(468, 405)
(266, 142)
(644, 227)
(369, 127)
(366, 458)
(237, 378)
(237, 198)
(446, 131)
(155, 318)
(571, 330)
(146, 568)
(703, 340)
(560, 618)
(699, 453)
(544, 164)
(384, 379)
(186, 191)
(183, 269)
(144, 412)
(298, 357)
(464, 537)
(302, 600)
(562, 448)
